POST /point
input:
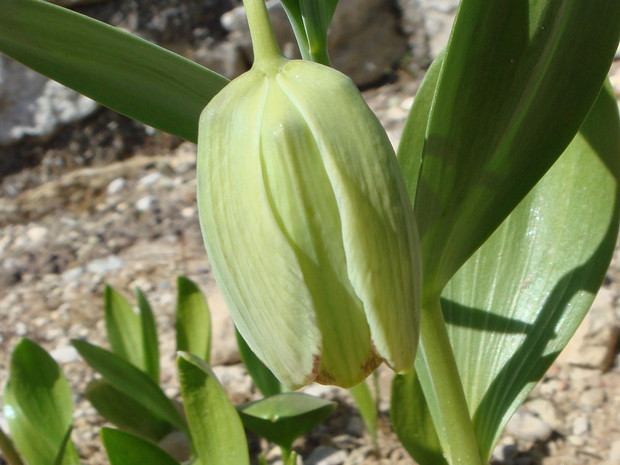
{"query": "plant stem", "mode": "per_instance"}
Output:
(286, 453)
(443, 390)
(8, 450)
(264, 43)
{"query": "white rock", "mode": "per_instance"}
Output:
(150, 179)
(145, 203)
(116, 186)
(72, 273)
(581, 426)
(64, 355)
(614, 453)
(33, 105)
(105, 265)
(528, 427)
(37, 234)
(324, 455)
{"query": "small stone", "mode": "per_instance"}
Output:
(614, 453)
(145, 203)
(116, 186)
(234, 378)
(319, 390)
(545, 410)
(592, 398)
(21, 329)
(528, 427)
(65, 355)
(150, 179)
(581, 426)
(105, 265)
(72, 274)
(37, 234)
(324, 455)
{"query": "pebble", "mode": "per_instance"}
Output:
(149, 179)
(581, 426)
(177, 445)
(234, 378)
(116, 186)
(592, 398)
(72, 273)
(64, 355)
(145, 203)
(37, 234)
(528, 427)
(324, 455)
(614, 453)
(355, 427)
(21, 329)
(545, 410)
(105, 265)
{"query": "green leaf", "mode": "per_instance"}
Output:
(310, 21)
(149, 337)
(131, 381)
(526, 290)
(367, 407)
(122, 72)
(124, 327)
(38, 406)
(412, 421)
(282, 418)
(512, 93)
(125, 449)
(193, 320)
(262, 376)
(125, 411)
(216, 430)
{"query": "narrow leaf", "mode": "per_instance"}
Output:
(60, 458)
(124, 328)
(511, 95)
(149, 337)
(367, 407)
(193, 320)
(310, 20)
(216, 430)
(125, 411)
(8, 450)
(282, 418)
(125, 73)
(262, 376)
(130, 381)
(38, 406)
(125, 449)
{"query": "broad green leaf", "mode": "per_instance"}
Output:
(122, 72)
(367, 406)
(193, 320)
(125, 449)
(149, 337)
(125, 411)
(282, 418)
(310, 21)
(38, 406)
(512, 93)
(262, 376)
(130, 381)
(216, 430)
(526, 290)
(124, 328)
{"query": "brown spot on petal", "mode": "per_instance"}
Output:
(316, 363)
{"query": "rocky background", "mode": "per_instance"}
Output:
(89, 197)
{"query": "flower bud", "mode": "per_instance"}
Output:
(308, 226)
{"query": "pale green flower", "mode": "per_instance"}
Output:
(307, 224)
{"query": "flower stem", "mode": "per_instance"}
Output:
(264, 43)
(441, 383)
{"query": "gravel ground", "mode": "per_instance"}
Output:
(130, 219)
